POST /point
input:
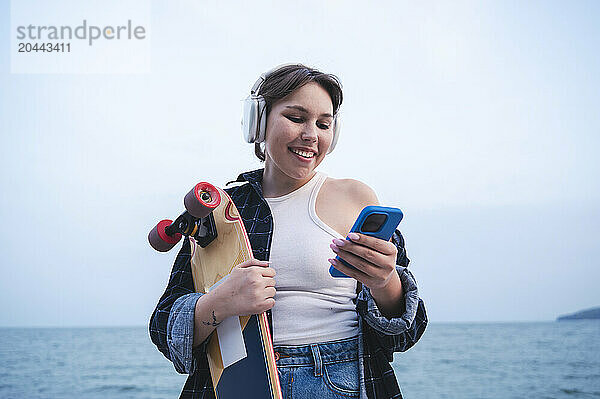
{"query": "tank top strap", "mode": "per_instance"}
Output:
(312, 211)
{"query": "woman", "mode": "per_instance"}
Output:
(333, 337)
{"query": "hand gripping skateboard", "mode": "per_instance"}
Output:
(219, 242)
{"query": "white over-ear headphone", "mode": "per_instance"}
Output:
(254, 122)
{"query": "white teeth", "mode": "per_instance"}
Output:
(303, 154)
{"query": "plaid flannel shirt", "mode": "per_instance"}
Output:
(172, 322)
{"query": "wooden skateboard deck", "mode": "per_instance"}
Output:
(255, 376)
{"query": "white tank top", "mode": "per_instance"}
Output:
(310, 305)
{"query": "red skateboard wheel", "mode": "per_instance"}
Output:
(160, 240)
(202, 200)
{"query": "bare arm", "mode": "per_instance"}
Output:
(208, 315)
(390, 299)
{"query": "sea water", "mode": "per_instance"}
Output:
(458, 360)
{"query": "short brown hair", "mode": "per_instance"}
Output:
(288, 78)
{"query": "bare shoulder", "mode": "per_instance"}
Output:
(360, 192)
(340, 201)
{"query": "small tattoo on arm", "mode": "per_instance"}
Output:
(213, 323)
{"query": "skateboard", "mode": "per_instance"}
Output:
(219, 242)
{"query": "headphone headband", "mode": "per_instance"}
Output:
(264, 77)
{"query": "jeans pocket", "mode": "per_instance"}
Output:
(342, 378)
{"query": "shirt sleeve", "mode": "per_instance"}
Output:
(397, 334)
(172, 322)
(180, 333)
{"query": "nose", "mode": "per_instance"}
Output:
(309, 133)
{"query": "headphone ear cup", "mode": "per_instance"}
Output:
(249, 119)
(261, 131)
(336, 134)
(253, 128)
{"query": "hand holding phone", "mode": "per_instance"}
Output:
(374, 221)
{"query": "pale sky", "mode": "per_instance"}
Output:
(479, 120)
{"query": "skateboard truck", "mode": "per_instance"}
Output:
(203, 230)
(196, 222)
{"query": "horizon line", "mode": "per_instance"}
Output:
(146, 326)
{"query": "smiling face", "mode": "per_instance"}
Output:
(299, 132)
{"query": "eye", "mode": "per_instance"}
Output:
(294, 119)
(323, 126)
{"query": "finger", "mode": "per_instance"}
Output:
(269, 303)
(361, 264)
(269, 282)
(371, 256)
(379, 245)
(262, 263)
(350, 271)
(255, 262)
(245, 264)
(270, 292)
(267, 271)
(261, 271)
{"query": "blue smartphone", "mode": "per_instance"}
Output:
(375, 221)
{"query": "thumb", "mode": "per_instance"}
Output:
(254, 262)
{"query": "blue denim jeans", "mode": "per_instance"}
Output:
(327, 370)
